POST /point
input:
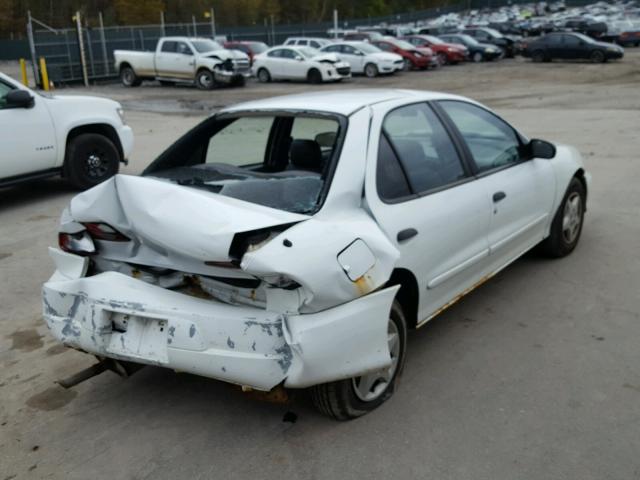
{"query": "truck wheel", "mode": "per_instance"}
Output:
(351, 398)
(205, 79)
(314, 76)
(264, 76)
(91, 158)
(129, 78)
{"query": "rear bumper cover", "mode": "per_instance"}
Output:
(116, 316)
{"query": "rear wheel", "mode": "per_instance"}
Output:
(205, 79)
(538, 56)
(128, 77)
(91, 158)
(354, 397)
(371, 70)
(567, 223)
(264, 76)
(314, 76)
(597, 56)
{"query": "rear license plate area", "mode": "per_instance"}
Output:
(137, 336)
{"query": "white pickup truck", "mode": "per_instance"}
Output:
(184, 59)
(84, 139)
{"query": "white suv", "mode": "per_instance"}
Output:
(84, 139)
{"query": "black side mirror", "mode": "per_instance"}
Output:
(540, 149)
(18, 99)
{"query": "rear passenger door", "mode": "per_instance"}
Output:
(424, 198)
(354, 57)
(520, 190)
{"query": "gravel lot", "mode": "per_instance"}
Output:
(536, 375)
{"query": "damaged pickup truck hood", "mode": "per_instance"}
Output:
(170, 225)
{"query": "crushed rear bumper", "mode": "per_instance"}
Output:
(116, 316)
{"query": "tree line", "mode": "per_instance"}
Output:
(59, 13)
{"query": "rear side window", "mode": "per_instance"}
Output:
(391, 181)
(424, 148)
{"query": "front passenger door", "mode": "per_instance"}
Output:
(521, 191)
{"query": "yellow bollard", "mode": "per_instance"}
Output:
(23, 70)
(44, 74)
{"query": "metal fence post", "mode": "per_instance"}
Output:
(32, 48)
(213, 25)
(195, 29)
(162, 24)
(83, 60)
(90, 48)
(104, 45)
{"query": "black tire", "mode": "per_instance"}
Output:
(538, 56)
(128, 77)
(340, 400)
(314, 76)
(264, 76)
(91, 158)
(442, 58)
(477, 57)
(371, 70)
(205, 80)
(559, 243)
(598, 56)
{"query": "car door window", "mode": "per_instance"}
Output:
(169, 47)
(4, 90)
(384, 46)
(493, 143)
(183, 48)
(424, 148)
(570, 41)
(333, 49)
(314, 44)
(276, 53)
(289, 54)
(349, 50)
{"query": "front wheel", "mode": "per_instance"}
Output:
(477, 57)
(567, 224)
(371, 70)
(314, 76)
(354, 397)
(91, 159)
(205, 79)
(442, 58)
(597, 56)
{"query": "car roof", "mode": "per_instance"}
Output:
(343, 102)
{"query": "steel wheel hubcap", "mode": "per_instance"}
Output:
(572, 217)
(96, 167)
(372, 385)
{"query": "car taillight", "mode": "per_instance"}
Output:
(79, 243)
(102, 231)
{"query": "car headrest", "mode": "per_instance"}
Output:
(306, 155)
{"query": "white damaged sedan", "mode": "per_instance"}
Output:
(299, 63)
(293, 242)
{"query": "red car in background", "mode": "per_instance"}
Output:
(417, 58)
(250, 48)
(450, 53)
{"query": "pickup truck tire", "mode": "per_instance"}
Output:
(128, 77)
(205, 80)
(345, 399)
(91, 159)
(264, 76)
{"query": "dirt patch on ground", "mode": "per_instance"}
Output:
(25, 340)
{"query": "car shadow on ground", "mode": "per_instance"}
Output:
(34, 192)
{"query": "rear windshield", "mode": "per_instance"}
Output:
(281, 161)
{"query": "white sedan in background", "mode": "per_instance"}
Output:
(295, 241)
(366, 58)
(299, 63)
